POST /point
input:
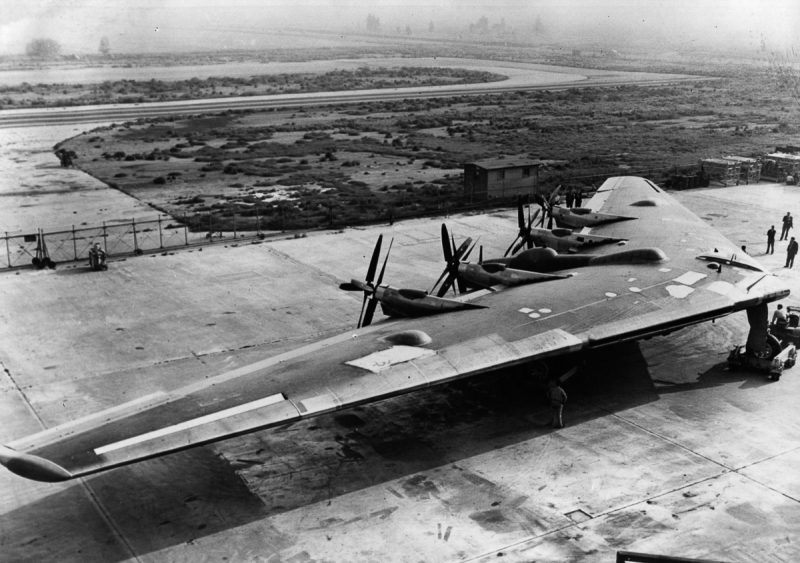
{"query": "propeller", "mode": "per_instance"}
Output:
(524, 231)
(524, 235)
(546, 205)
(370, 302)
(452, 257)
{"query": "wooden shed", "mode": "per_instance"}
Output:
(500, 178)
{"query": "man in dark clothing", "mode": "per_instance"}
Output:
(570, 198)
(557, 398)
(578, 198)
(791, 251)
(787, 224)
(771, 240)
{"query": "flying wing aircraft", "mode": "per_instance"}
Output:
(691, 274)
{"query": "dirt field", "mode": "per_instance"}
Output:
(358, 163)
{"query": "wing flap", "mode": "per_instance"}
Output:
(41, 457)
(268, 411)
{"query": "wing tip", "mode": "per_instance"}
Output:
(32, 467)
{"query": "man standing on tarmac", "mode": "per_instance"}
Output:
(787, 224)
(771, 240)
(557, 398)
(791, 252)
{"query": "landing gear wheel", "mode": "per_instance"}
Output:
(773, 348)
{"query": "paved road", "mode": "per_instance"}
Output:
(521, 77)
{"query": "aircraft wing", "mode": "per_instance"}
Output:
(597, 306)
(660, 221)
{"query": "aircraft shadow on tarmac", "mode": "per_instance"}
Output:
(695, 348)
(181, 497)
(716, 375)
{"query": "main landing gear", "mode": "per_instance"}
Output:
(768, 349)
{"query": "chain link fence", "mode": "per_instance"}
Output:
(117, 239)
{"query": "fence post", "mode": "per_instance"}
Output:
(234, 225)
(105, 238)
(8, 251)
(160, 238)
(185, 230)
(135, 241)
(74, 244)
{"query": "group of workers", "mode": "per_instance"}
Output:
(792, 248)
(574, 198)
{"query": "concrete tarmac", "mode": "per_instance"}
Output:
(665, 450)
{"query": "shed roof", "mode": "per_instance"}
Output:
(499, 163)
(741, 158)
(784, 156)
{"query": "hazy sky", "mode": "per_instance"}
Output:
(154, 25)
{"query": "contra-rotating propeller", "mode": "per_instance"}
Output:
(370, 302)
(524, 234)
(452, 257)
(546, 205)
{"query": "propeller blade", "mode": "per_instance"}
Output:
(350, 286)
(457, 256)
(371, 305)
(385, 260)
(446, 248)
(441, 277)
(532, 219)
(445, 286)
(361, 314)
(480, 255)
(511, 246)
(520, 214)
(469, 250)
(373, 263)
